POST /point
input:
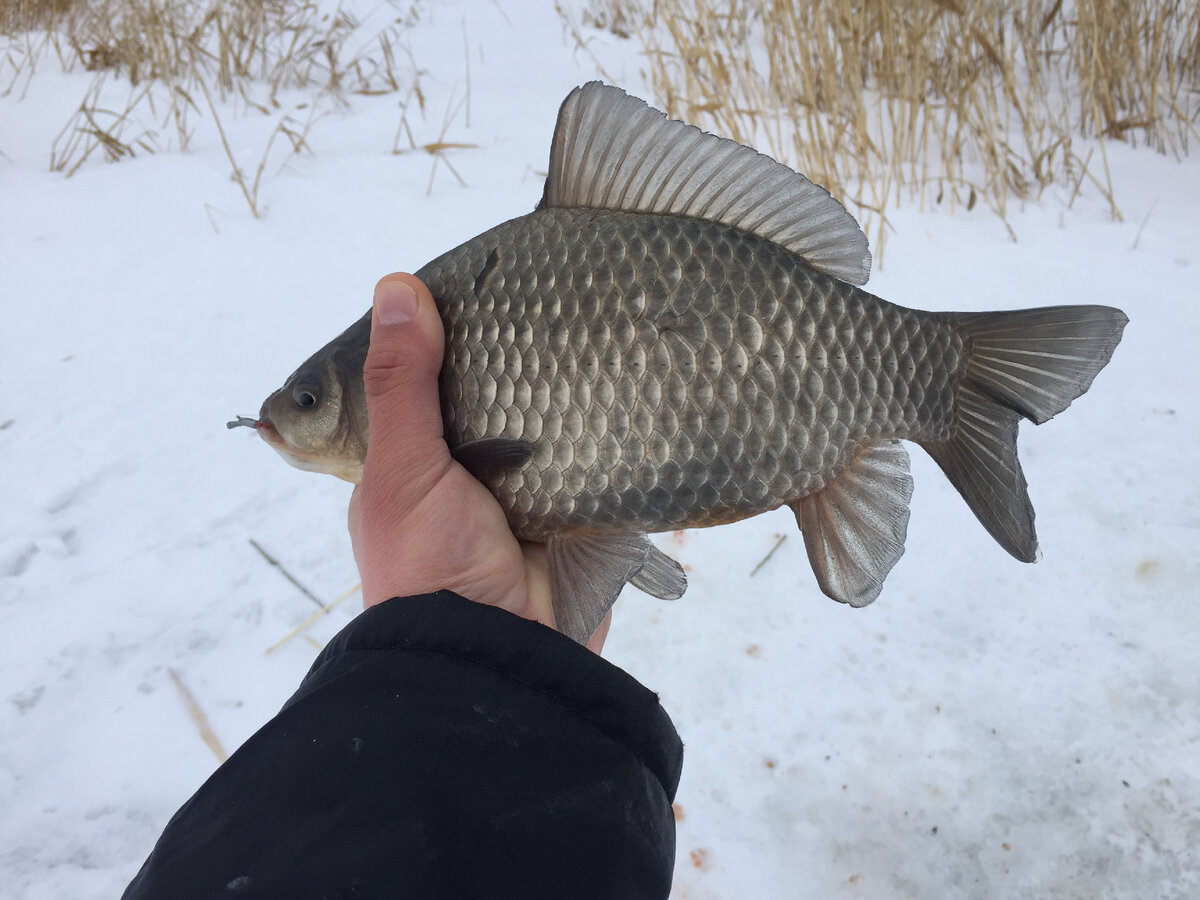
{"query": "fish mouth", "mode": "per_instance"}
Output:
(267, 431)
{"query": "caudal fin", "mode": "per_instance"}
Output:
(1031, 363)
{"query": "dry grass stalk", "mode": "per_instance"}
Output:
(582, 42)
(762, 562)
(252, 200)
(950, 101)
(324, 610)
(272, 561)
(437, 149)
(197, 716)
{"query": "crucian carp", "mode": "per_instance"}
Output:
(677, 337)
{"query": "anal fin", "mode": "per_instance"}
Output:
(588, 571)
(661, 576)
(854, 528)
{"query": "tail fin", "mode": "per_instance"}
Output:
(1030, 363)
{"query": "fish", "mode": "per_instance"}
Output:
(678, 337)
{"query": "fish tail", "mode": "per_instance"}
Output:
(1025, 363)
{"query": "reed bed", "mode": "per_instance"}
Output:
(953, 102)
(956, 102)
(161, 65)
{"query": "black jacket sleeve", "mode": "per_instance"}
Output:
(438, 748)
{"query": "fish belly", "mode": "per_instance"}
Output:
(671, 372)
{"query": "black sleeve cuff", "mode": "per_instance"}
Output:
(531, 654)
(438, 748)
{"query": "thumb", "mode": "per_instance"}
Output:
(400, 378)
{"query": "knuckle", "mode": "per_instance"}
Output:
(386, 368)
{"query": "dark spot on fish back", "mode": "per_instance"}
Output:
(489, 266)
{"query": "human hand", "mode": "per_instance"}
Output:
(419, 522)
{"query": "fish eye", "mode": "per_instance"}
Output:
(304, 395)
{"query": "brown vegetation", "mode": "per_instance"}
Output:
(941, 101)
(946, 101)
(176, 56)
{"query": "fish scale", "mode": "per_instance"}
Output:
(657, 391)
(677, 337)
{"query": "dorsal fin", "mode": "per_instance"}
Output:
(613, 151)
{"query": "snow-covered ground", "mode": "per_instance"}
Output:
(986, 729)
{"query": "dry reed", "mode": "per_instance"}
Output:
(196, 714)
(324, 610)
(944, 101)
(941, 101)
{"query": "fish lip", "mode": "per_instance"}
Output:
(266, 428)
(267, 431)
(264, 422)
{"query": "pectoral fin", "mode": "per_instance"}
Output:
(489, 457)
(854, 528)
(587, 572)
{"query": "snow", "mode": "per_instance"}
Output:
(985, 729)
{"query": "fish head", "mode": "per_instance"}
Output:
(318, 420)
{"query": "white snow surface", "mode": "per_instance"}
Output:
(985, 729)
